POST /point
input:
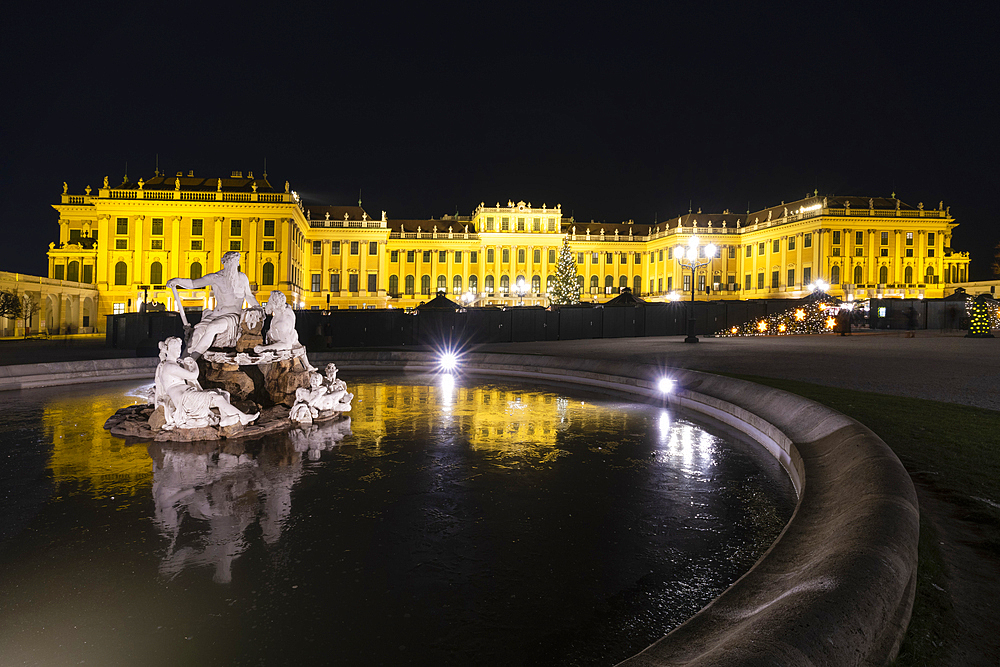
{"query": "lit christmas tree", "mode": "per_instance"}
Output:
(565, 291)
(817, 316)
(982, 314)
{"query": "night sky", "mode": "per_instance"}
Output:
(616, 113)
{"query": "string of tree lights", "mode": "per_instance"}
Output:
(566, 287)
(984, 315)
(817, 316)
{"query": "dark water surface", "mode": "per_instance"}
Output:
(448, 523)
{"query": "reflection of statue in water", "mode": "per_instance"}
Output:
(282, 334)
(207, 495)
(185, 403)
(221, 326)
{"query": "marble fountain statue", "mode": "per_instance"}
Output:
(231, 383)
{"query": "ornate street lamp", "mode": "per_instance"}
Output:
(688, 257)
(520, 288)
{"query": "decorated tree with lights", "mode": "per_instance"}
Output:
(818, 315)
(564, 289)
(982, 312)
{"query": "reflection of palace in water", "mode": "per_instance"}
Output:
(221, 488)
(502, 420)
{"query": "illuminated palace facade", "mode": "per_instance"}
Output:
(128, 240)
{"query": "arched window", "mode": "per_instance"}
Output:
(456, 284)
(442, 283)
(267, 274)
(931, 278)
(859, 275)
(196, 270)
(425, 284)
(835, 275)
(156, 273)
(536, 284)
(595, 284)
(549, 282)
(908, 275)
(637, 285)
(121, 273)
(579, 283)
(609, 284)
(504, 284)
(409, 285)
(393, 286)
(73, 272)
(622, 283)
(489, 284)
(474, 284)
(883, 275)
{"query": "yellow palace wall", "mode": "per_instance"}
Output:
(360, 262)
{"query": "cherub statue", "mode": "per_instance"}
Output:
(320, 398)
(185, 404)
(282, 334)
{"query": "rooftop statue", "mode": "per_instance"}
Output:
(185, 404)
(221, 326)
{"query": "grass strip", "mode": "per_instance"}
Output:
(950, 448)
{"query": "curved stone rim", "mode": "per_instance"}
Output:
(837, 585)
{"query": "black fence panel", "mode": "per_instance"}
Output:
(488, 325)
(613, 322)
(571, 322)
(528, 324)
(142, 331)
(551, 325)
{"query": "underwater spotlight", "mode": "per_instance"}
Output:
(449, 361)
(665, 385)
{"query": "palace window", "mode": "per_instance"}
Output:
(411, 256)
(776, 245)
(409, 285)
(425, 285)
(791, 277)
(930, 252)
(442, 283)
(749, 250)
(267, 273)
(836, 237)
(473, 257)
(609, 284)
(393, 286)
(670, 283)
(791, 243)
(504, 284)
(520, 255)
(594, 284)
(442, 256)
(122, 226)
(156, 228)
(883, 275)
(836, 252)
(316, 282)
(909, 252)
(884, 252)
(394, 256)
(352, 283)
(195, 270)
(885, 238)
(774, 280)
(119, 308)
(427, 256)
(908, 275)
(552, 255)
(234, 245)
(835, 275)
(747, 282)
(458, 256)
(505, 256)
(760, 248)
(859, 251)
(317, 248)
(909, 238)
(760, 280)
(490, 256)
(372, 283)
(536, 256)
(520, 224)
(807, 275)
(355, 249)
(701, 282)
(637, 259)
(536, 225)
(197, 227)
(579, 258)
(235, 227)
(269, 228)
(594, 259)
(456, 285)
(552, 224)
(687, 283)
(121, 244)
(807, 240)
(504, 224)
(488, 284)
(732, 252)
(859, 275)
(197, 244)
(373, 247)
(489, 224)
(334, 247)
(59, 272)
(930, 238)
(474, 284)
(156, 244)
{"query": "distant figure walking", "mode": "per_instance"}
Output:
(911, 322)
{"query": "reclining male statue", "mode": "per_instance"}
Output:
(221, 326)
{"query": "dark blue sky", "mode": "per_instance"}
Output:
(615, 112)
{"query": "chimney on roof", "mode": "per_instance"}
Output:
(237, 174)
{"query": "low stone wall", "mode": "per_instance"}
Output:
(29, 376)
(837, 586)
